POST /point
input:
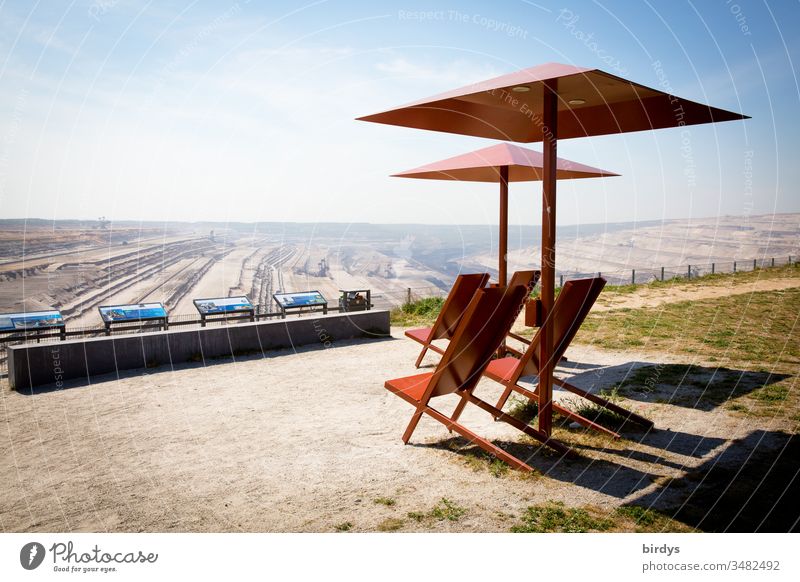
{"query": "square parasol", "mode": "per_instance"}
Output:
(545, 103)
(501, 163)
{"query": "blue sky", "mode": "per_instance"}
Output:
(245, 111)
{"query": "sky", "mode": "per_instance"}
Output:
(245, 111)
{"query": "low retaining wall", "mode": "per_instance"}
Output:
(40, 364)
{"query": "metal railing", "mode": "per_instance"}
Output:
(99, 330)
(392, 299)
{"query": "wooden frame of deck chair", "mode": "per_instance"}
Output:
(446, 322)
(454, 306)
(573, 304)
(484, 325)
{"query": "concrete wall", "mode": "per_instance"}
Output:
(40, 364)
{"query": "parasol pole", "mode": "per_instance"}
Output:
(502, 277)
(550, 139)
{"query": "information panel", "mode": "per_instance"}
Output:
(137, 312)
(303, 299)
(30, 320)
(222, 305)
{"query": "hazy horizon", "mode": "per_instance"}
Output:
(204, 112)
(331, 222)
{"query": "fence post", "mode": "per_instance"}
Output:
(633, 276)
(561, 280)
(712, 268)
(773, 262)
(734, 266)
(408, 296)
(662, 273)
(689, 272)
(754, 264)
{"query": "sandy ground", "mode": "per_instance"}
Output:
(305, 440)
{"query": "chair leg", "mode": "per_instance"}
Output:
(459, 408)
(632, 416)
(519, 425)
(504, 397)
(480, 441)
(584, 421)
(421, 355)
(412, 424)
(568, 413)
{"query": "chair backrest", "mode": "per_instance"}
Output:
(456, 304)
(485, 324)
(526, 278)
(571, 307)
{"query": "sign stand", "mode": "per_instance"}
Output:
(135, 313)
(227, 308)
(300, 301)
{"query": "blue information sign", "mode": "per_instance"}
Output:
(304, 299)
(30, 320)
(134, 312)
(223, 305)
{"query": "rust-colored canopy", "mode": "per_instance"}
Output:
(590, 102)
(484, 165)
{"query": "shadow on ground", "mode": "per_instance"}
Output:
(752, 485)
(691, 386)
(600, 475)
(203, 363)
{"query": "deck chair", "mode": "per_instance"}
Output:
(458, 299)
(569, 311)
(480, 331)
(445, 325)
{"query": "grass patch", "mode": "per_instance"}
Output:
(597, 414)
(417, 313)
(387, 501)
(523, 409)
(751, 331)
(642, 519)
(444, 510)
(704, 388)
(481, 461)
(346, 526)
(750, 327)
(448, 510)
(391, 524)
(553, 516)
(772, 393)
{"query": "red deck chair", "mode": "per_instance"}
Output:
(485, 322)
(452, 310)
(457, 301)
(570, 310)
